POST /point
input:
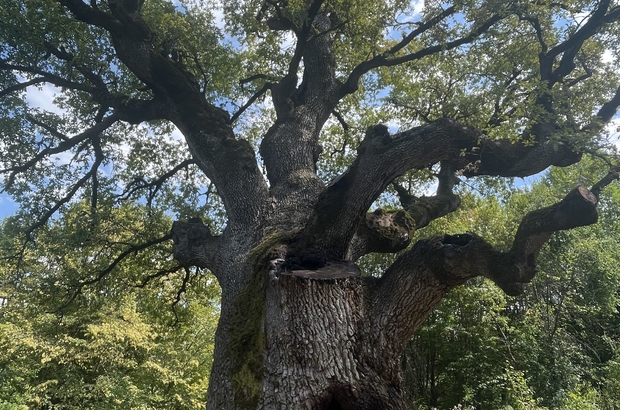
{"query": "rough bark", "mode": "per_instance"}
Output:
(300, 327)
(329, 337)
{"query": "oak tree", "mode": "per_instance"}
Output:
(296, 117)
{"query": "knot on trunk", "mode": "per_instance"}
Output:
(189, 240)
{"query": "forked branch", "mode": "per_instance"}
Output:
(388, 60)
(383, 156)
(391, 232)
(418, 279)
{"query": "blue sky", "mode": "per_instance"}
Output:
(7, 206)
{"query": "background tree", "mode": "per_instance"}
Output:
(555, 346)
(479, 88)
(122, 345)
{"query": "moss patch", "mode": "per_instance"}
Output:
(247, 333)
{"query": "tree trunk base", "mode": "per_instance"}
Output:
(319, 350)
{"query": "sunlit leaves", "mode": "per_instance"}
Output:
(123, 341)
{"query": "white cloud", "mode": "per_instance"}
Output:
(62, 158)
(613, 131)
(608, 56)
(418, 6)
(43, 98)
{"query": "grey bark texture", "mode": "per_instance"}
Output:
(300, 326)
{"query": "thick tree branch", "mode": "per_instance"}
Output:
(382, 232)
(571, 46)
(417, 280)
(290, 149)
(92, 15)
(228, 162)
(135, 111)
(383, 157)
(426, 209)
(609, 109)
(612, 175)
(391, 232)
(194, 245)
(303, 36)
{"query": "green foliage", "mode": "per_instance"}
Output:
(113, 346)
(555, 347)
(121, 343)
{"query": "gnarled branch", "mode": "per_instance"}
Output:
(415, 283)
(230, 163)
(391, 232)
(195, 245)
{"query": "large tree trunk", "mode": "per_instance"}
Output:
(317, 342)
(323, 336)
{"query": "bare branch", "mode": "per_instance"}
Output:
(351, 84)
(249, 103)
(65, 199)
(575, 81)
(153, 186)
(422, 27)
(52, 130)
(96, 80)
(50, 78)
(65, 145)
(269, 78)
(182, 289)
(165, 272)
(535, 23)
(132, 249)
(21, 86)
